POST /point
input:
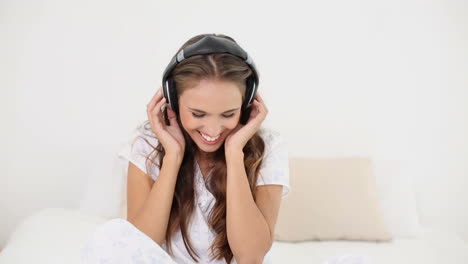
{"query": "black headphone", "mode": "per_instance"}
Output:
(211, 44)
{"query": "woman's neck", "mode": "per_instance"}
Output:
(204, 157)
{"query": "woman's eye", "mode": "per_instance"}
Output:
(195, 115)
(227, 116)
(202, 115)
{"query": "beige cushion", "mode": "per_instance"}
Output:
(331, 199)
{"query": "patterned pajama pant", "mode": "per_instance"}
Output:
(118, 241)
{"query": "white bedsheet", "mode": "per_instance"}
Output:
(432, 247)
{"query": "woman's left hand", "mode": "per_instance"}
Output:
(240, 135)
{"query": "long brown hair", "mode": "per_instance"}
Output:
(215, 66)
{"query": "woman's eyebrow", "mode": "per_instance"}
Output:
(201, 111)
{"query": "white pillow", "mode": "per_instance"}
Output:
(397, 197)
(52, 235)
(105, 193)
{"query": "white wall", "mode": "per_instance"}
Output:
(380, 78)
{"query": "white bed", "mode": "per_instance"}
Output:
(55, 235)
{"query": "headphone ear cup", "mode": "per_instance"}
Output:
(249, 89)
(173, 95)
(249, 86)
(245, 115)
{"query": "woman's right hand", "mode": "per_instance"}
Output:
(171, 136)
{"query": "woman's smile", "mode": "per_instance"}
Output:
(209, 140)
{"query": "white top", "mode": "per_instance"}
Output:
(274, 170)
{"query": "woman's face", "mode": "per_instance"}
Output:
(211, 108)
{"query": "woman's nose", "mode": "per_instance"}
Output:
(213, 128)
(212, 132)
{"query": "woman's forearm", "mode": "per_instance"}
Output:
(247, 230)
(152, 218)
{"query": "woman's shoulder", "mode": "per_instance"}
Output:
(140, 146)
(275, 165)
(141, 143)
(143, 134)
(271, 137)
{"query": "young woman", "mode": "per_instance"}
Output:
(202, 187)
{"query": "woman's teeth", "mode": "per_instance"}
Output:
(209, 138)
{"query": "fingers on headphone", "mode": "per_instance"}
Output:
(170, 117)
(154, 100)
(158, 108)
(151, 118)
(155, 114)
(258, 97)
